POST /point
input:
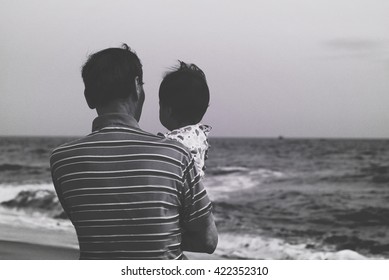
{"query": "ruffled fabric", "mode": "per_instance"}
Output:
(195, 138)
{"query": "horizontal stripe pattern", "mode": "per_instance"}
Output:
(128, 193)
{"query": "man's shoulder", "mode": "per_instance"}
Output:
(122, 137)
(172, 143)
(58, 152)
(69, 144)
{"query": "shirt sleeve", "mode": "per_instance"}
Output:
(197, 205)
(58, 188)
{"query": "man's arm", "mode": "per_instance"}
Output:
(199, 229)
(58, 189)
(201, 236)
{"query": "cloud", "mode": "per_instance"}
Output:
(353, 44)
(357, 48)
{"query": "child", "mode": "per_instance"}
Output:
(183, 101)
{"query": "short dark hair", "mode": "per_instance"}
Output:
(110, 74)
(186, 91)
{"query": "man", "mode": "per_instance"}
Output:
(129, 194)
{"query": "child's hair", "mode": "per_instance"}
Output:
(186, 92)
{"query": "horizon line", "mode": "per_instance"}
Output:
(278, 137)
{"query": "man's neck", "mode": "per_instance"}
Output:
(116, 107)
(114, 120)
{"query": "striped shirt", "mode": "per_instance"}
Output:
(129, 194)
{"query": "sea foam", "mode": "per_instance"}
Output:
(33, 205)
(8, 192)
(245, 246)
(222, 187)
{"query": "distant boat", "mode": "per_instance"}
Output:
(280, 137)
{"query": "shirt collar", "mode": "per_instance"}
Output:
(114, 119)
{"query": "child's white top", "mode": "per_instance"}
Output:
(195, 138)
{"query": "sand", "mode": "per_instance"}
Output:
(33, 243)
(10, 250)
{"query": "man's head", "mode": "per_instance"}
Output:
(183, 96)
(112, 74)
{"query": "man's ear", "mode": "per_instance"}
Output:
(138, 87)
(91, 103)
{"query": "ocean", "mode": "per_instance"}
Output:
(299, 195)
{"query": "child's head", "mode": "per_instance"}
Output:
(183, 96)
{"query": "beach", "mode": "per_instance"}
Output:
(27, 243)
(11, 250)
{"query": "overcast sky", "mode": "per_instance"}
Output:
(297, 68)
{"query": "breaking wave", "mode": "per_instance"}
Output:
(43, 201)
